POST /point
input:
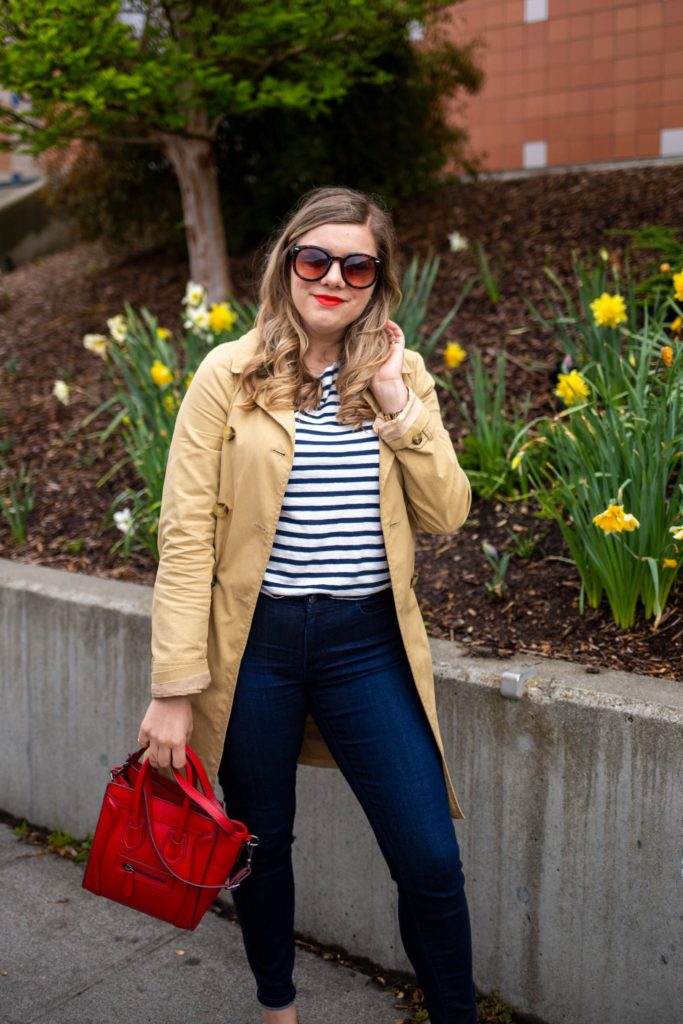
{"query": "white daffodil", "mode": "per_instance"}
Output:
(124, 520)
(60, 390)
(96, 343)
(117, 328)
(195, 294)
(197, 316)
(457, 242)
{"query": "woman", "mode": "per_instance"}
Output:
(285, 625)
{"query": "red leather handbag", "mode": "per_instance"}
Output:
(163, 847)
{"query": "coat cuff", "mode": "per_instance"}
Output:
(409, 428)
(179, 681)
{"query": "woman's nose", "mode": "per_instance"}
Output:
(333, 276)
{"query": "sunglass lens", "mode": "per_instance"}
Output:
(360, 271)
(311, 263)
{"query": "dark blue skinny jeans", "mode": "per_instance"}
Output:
(344, 661)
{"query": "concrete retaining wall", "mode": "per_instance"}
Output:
(573, 842)
(28, 229)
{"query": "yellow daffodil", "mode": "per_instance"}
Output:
(609, 310)
(665, 268)
(160, 374)
(61, 391)
(454, 354)
(669, 563)
(117, 328)
(615, 520)
(632, 360)
(677, 325)
(604, 255)
(169, 403)
(678, 285)
(222, 317)
(517, 460)
(667, 355)
(96, 343)
(163, 333)
(677, 532)
(571, 387)
(125, 420)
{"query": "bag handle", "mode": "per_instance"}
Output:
(211, 806)
(230, 883)
(209, 803)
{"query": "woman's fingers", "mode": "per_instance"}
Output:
(165, 730)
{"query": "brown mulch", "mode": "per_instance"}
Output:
(524, 225)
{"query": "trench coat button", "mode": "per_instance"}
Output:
(417, 439)
(414, 578)
(228, 433)
(219, 510)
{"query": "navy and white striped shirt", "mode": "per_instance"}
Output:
(329, 538)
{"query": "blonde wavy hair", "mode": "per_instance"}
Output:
(277, 374)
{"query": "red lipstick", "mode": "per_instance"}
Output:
(328, 300)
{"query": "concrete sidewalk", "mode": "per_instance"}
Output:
(69, 957)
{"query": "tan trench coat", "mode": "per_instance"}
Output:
(226, 477)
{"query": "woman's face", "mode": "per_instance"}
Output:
(328, 306)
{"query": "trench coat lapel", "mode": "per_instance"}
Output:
(244, 350)
(285, 417)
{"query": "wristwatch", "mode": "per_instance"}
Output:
(395, 415)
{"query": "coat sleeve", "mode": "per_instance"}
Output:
(436, 487)
(182, 590)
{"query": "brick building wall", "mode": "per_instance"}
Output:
(574, 81)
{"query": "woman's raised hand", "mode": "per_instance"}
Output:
(387, 384)
(165, 729)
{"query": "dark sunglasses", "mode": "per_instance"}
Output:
(311, 263)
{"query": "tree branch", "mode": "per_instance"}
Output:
(33, 125)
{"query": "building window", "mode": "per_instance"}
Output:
(535, 10)
(535, 155)
(671, 142)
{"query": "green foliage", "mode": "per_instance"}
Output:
(496, 586)
(523, 547)
(89, 74)
(61, 843)
(64, 844)
(395, 149)
(664, 242)
(489, 430)
(417, 288)
(493, 1010)
(586, 343)
(489, 279)
(17, 501)
(151, 375)
(620, 446)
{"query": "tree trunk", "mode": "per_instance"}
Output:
(194, 161)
